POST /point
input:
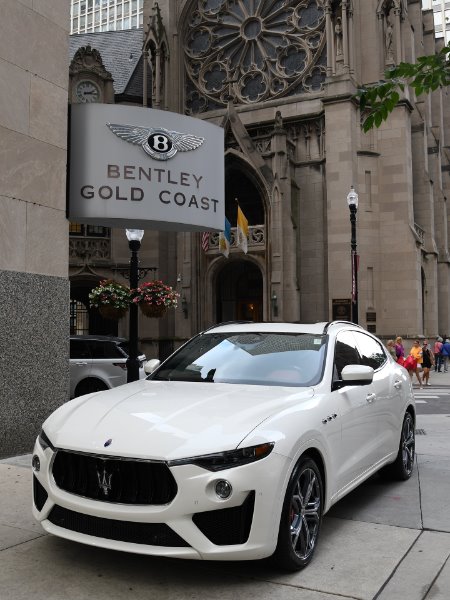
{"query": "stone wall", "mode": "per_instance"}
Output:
(34, 289)
(34, 350)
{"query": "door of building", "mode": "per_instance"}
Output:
(239, 292)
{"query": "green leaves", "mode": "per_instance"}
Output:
(426, 75)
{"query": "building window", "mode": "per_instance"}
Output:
(78, 230)
(79, 318)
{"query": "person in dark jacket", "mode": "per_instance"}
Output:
(445, 353)
(428, 362)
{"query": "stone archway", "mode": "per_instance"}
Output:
(239, 292)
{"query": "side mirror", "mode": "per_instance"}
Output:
(151, 365)
(354, 375)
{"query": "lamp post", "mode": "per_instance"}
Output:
(134, 237)
(352, 200)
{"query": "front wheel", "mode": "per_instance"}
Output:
(301, 517)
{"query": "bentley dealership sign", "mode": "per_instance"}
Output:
(145, 168)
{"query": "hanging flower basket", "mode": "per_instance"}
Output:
(153, 310)
(111, 313)
(111, 298)
(154, 298)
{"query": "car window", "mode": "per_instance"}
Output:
(250, 358)
(345, 353)
(105, 349)
(79, 349)
(371, 351)
(98, 349)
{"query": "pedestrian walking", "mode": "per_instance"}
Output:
(445, 353)
(413, 366)
(428, 362)
(390, 345)
(399, 350)
(437, 354)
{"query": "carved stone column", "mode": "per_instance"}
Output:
(329, 34)
(157, 76)
(144, 87)
(398, 37)
(345, 35)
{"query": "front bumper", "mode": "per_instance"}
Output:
(196, 524)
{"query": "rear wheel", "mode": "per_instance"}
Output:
(89, 386)
(301, 517)
(403, 465)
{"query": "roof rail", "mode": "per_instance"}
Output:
(327, 325)
(227, 323)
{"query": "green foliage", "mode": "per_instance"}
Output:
(110, 293)
(426, 75)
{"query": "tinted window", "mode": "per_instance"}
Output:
(345, 353)
(250, 358)
(79, 349)
(372, 353)
(105, 349)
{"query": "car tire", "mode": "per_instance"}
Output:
(402, 468)
(89, 386)
(301, 517)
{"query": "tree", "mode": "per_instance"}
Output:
(424, 76)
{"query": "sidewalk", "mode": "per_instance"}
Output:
(385, 541)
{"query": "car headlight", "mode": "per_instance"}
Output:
(44, 441)
(228, 459)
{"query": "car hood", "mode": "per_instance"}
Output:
(167, 420)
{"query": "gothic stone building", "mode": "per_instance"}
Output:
(280, 77)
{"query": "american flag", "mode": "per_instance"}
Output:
(205, 240)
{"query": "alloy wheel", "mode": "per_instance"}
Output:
(408, 444)
(305, 510)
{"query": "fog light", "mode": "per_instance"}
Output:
(223, 489)
(36, 463)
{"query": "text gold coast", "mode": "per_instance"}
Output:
(118, 188)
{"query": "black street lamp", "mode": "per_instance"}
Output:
(134, 237)
(352, 200)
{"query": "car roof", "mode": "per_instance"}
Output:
(99, 338)
(312, 328)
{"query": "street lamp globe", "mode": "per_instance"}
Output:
(134, 235)
(352, 198)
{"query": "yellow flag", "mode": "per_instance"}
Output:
(242, 230)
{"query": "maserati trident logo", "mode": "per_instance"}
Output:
(104, 481)
(159, 143)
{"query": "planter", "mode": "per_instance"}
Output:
(153, 310)
(112, 313)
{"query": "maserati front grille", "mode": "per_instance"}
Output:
(107, 479)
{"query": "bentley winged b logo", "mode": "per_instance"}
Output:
(157, 142)
(104, 481)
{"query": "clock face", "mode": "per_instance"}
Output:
(87, 91)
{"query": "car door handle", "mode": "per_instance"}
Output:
(81, 364)
(370, 398)
(397, 384)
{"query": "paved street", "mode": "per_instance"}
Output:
(385, 541)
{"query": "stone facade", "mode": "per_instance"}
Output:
(281, 79)
(34, 288)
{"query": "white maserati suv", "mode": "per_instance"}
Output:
(232, 449)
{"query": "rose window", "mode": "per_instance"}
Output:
(253, 50)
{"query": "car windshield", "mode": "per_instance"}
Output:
(250, 358)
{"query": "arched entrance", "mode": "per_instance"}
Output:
(83, 319)
(239, 292)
